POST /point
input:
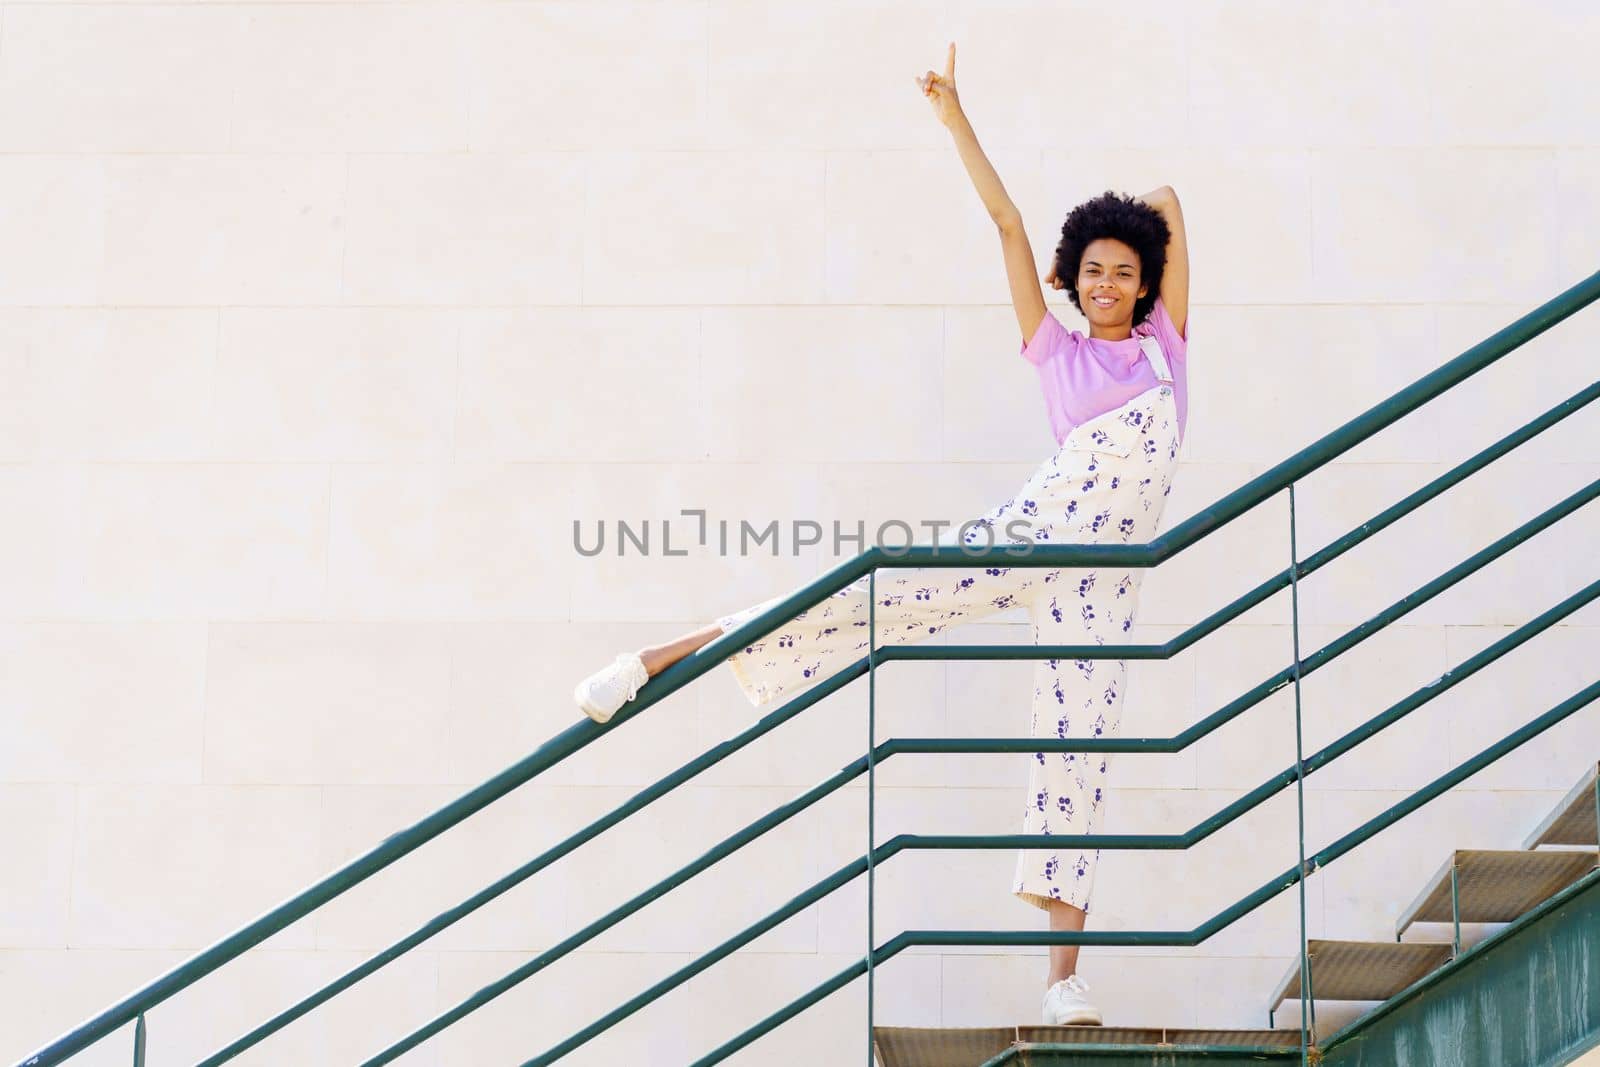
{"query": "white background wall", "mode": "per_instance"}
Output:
(321, 322)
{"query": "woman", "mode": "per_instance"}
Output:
(1117, 404)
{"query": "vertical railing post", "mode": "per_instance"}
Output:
(872, 788)
(138, 1042)
(1455, 910)
(1308, 1018)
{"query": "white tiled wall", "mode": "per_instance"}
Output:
(321, 322)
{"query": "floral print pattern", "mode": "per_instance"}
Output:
(1108, 483)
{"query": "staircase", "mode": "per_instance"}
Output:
(1431, 994)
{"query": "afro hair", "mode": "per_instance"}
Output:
(1130, 221)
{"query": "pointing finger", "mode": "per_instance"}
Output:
(950, 61)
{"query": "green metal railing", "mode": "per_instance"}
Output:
(1283, 476)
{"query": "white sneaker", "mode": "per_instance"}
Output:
(1065, 1004)
(606, 690)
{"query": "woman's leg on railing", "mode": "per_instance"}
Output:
(912, 604)
(602, 693)
(658, 658)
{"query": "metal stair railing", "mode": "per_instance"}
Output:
(1246, 497)
(1241, 907)
(965, 746)
(850, 773)
(962, 746)
(907, 842)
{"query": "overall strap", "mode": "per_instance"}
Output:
(1158, 359)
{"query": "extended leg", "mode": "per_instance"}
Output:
(606, 690)
(912, 604)
(658, 658)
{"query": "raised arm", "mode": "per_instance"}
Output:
(1027, 295)
(1175, 279)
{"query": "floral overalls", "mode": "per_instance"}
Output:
(1106, 484)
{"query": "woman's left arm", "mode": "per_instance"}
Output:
(1175, 279)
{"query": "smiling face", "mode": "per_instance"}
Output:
(1110, 271)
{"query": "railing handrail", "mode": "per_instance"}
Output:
(581, 734)
(794, 707)
(882, 751)
(1178, 743)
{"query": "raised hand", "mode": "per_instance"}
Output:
(1052, 281)
(940, 89)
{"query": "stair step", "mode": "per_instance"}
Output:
(1573, 820)
(1155, 1035)
(1360, 970)
(909, 1046)
(1495, 886)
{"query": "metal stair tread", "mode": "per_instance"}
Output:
(910, 1046)
(1155, 1035)
(1495, 885)
(1361, 970)
(1573, 821)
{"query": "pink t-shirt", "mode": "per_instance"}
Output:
(1088, 376)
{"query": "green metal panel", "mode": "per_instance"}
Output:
(1527, 997)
